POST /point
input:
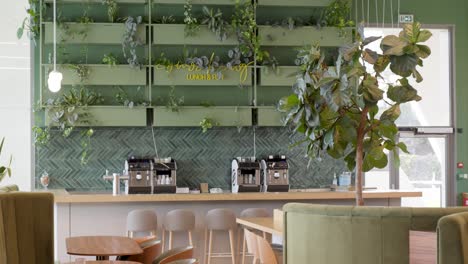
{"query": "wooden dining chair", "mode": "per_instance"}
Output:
(266, 253)
(252, 247)
(152, 248)
(172, 255)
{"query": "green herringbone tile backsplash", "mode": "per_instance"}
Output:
(201, 157)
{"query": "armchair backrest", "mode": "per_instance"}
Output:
(26, 228)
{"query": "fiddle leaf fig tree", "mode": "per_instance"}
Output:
(338, 109)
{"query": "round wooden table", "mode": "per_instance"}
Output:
(102, 246)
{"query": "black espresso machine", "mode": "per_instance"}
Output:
(149, 175)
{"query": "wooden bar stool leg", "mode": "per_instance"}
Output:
(243, 249)
(238, 243)
(190, 238)
(170, 240)
(163, 240)
(231, 242)
(205, 250)
(210, 243)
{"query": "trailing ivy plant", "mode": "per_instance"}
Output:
(338, 109)
(65, 113)
(110, 60)
(192, 25)
(31, 22)
(208, 123)
(215, 22)
(112, 10)
(5, 169)
(131, 41)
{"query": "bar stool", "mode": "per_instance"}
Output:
(178, 221)
(220, 220)
(142, 221)
(249, 213)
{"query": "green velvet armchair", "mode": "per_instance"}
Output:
(325, 234)
(26, 228)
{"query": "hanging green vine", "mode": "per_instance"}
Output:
(65, 113)
(192, 25)
(338, 14)
(131, 41)
(112, 10)
(31, 22)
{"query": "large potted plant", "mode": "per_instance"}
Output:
(339, 110)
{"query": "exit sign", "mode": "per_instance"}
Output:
(406, 18)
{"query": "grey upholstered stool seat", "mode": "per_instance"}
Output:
(142, 221)
(249, 213)
(219, 220)
(178, 221)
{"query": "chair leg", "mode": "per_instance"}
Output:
(210, 244)
(205, 250)
(170, 240)
(243, 249)
(190, 238)
(163, 240)
(238, 242)
(231, 242)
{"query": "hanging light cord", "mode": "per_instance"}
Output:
(391, 12)
(55, 35)
(398, 13)
(376, 13)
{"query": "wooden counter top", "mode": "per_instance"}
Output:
(64, 197)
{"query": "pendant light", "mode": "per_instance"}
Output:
(55, 77)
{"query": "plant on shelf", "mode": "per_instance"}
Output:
(112, 10)
(191, 23)
(349, 111)
(81, 70)
(215, 22)
(32, 21)
(338, 14)
(207, 123)
(65, 113)
(5, 169)
(110, 60)
(124, 99)
(131, 41)
(174, 102)
(166, 20)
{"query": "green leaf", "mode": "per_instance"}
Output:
(403, 93)
(391, 114)
(423, 51)
(376, 152)
(382, 162)
(403, 147)
(393, 45)
(371, 91)
(403, 65)
(388, 130)
(350, 160)
(287, 103)
(424, 35)
(382, 63)
(370, 56)
(19, 32)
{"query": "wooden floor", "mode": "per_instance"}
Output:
(423, 248)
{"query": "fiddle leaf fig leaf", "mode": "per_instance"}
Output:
(369, 40)
(403, 93)
(403, 65)
(403, 147)
(371, 91)
(370, 56)
(391, 114)
(423, 51)
(424, 35)
(393, 45)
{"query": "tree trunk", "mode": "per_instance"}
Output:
(361, 132)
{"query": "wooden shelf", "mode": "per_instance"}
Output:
(110, 116)
(102, 75)
(163, 77)
(269, 116)
(301, 36)
(191, 116)
(99, 1)
(295, 3)
(286, 76)
(174, 34)
(96, 33)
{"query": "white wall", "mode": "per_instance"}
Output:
(15, 94)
